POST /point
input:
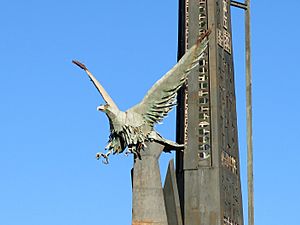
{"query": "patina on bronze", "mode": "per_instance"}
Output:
(131, 129)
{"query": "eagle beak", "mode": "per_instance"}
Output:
(101, 108)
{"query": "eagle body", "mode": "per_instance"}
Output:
(132, 128)
(126, 130)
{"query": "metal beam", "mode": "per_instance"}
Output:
(249, 117)
(238, 5)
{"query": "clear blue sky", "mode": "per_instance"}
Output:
(50, 129)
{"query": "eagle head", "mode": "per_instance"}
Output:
(107, 109)
(111, 112)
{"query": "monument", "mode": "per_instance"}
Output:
(205, 187)
(134, 130)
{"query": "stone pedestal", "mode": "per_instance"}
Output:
(148, 205)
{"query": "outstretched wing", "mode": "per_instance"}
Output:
(162, 96)
(99, 87)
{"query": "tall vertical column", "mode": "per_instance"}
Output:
(249, 117)
(208, 172)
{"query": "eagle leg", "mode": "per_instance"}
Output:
(135, 150)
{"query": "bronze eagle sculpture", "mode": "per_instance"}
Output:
(131, 129)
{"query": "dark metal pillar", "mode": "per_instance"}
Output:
(208, 172)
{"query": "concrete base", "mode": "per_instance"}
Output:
(148, 205)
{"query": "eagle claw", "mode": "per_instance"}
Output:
(105, 156)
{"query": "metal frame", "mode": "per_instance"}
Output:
(239, 5)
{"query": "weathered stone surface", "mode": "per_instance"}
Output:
(171, 197)
(148, 205)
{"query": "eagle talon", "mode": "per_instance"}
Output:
(98, 155)
(105, 156)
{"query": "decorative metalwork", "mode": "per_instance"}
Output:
(185, 138)
(224, 39)
(220, 37)
(186, 25)
(204, 92)
(229, 162)
(227, 41)
(225, 13)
